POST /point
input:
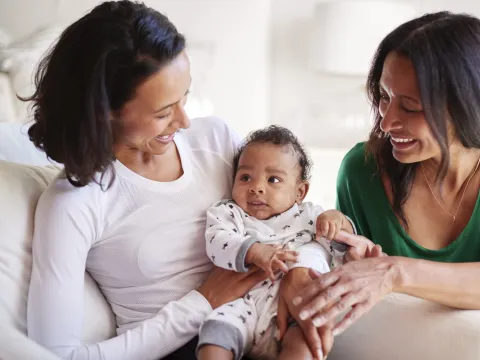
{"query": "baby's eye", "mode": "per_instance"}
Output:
(244, 178)
(273, 179)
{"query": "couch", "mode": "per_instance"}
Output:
(400, 327)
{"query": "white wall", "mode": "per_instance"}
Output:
(329, 113)
(250, 59)
(228, 41)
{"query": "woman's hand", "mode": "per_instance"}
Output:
(319, 340)
(223, 286)
(359, 246)
(359, 284)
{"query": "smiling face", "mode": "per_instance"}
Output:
(149, 121)
(267, 181)
(402, 114)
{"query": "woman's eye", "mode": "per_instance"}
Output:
(273, 180)
(384, 97)
(411, 110)
(160, 117)
(244, 178)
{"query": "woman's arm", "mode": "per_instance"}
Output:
(454, 285)
(361, 284)
(65, 229)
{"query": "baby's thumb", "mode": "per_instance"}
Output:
(282, 318)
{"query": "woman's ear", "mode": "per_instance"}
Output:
(302, 190)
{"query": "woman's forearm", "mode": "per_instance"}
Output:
(454, 285)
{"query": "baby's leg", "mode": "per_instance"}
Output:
(208, 352)
(294, 345)
(227, 333)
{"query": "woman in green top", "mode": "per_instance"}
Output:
(413, 187)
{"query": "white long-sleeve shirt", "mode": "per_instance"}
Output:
(142, 241)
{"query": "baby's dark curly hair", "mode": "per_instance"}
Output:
(280, 136)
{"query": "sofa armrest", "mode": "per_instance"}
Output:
(14, 345)
(405, 327)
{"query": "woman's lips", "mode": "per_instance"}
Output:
(165, 139)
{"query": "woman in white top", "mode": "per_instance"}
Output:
(130, 205)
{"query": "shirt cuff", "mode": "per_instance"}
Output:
(353, 225)
(313, 256)
(197, 301)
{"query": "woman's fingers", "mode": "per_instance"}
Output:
(353, 239)
(326, 337)
(376, 251)
(282, 318)
(313, 339)
(356, 313)
(317, 286)
(323, 300)
(338, 308)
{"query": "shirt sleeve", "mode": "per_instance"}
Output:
(352, 176)
(66, 227)
(227, 242)
(312, 254)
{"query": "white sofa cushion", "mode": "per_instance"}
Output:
(15, 145)
(20, 187)
(403, 327)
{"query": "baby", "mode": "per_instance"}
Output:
(268, 225)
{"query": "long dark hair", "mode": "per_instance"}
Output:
(444, 49)
(90, 73)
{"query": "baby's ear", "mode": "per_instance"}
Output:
(302, 190)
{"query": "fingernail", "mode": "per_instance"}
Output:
(317, 322)
(303, 315)
(319, 354)
(297, 301)
(336, 332)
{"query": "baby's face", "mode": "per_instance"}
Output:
(267, 182)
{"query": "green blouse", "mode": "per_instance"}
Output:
(361, 196)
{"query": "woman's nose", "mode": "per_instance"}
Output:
(391, 120)
(181, 118)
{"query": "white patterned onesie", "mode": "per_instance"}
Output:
(247, 325)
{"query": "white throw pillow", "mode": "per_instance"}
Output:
(15, 145)
(7, 100)
(20, 60)
(20, 188)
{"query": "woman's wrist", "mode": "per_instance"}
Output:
(399, 264)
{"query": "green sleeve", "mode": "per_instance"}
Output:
(351, 188)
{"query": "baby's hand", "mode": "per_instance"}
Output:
(270, 258)
(329, 224)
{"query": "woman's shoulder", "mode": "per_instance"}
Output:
(60, 193)
(357, 163)
(214, 135)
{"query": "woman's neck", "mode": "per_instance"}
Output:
(462, 165)
(164, 167)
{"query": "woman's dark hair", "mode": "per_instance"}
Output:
(277, 135)
(444, 49)
(91, 72)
